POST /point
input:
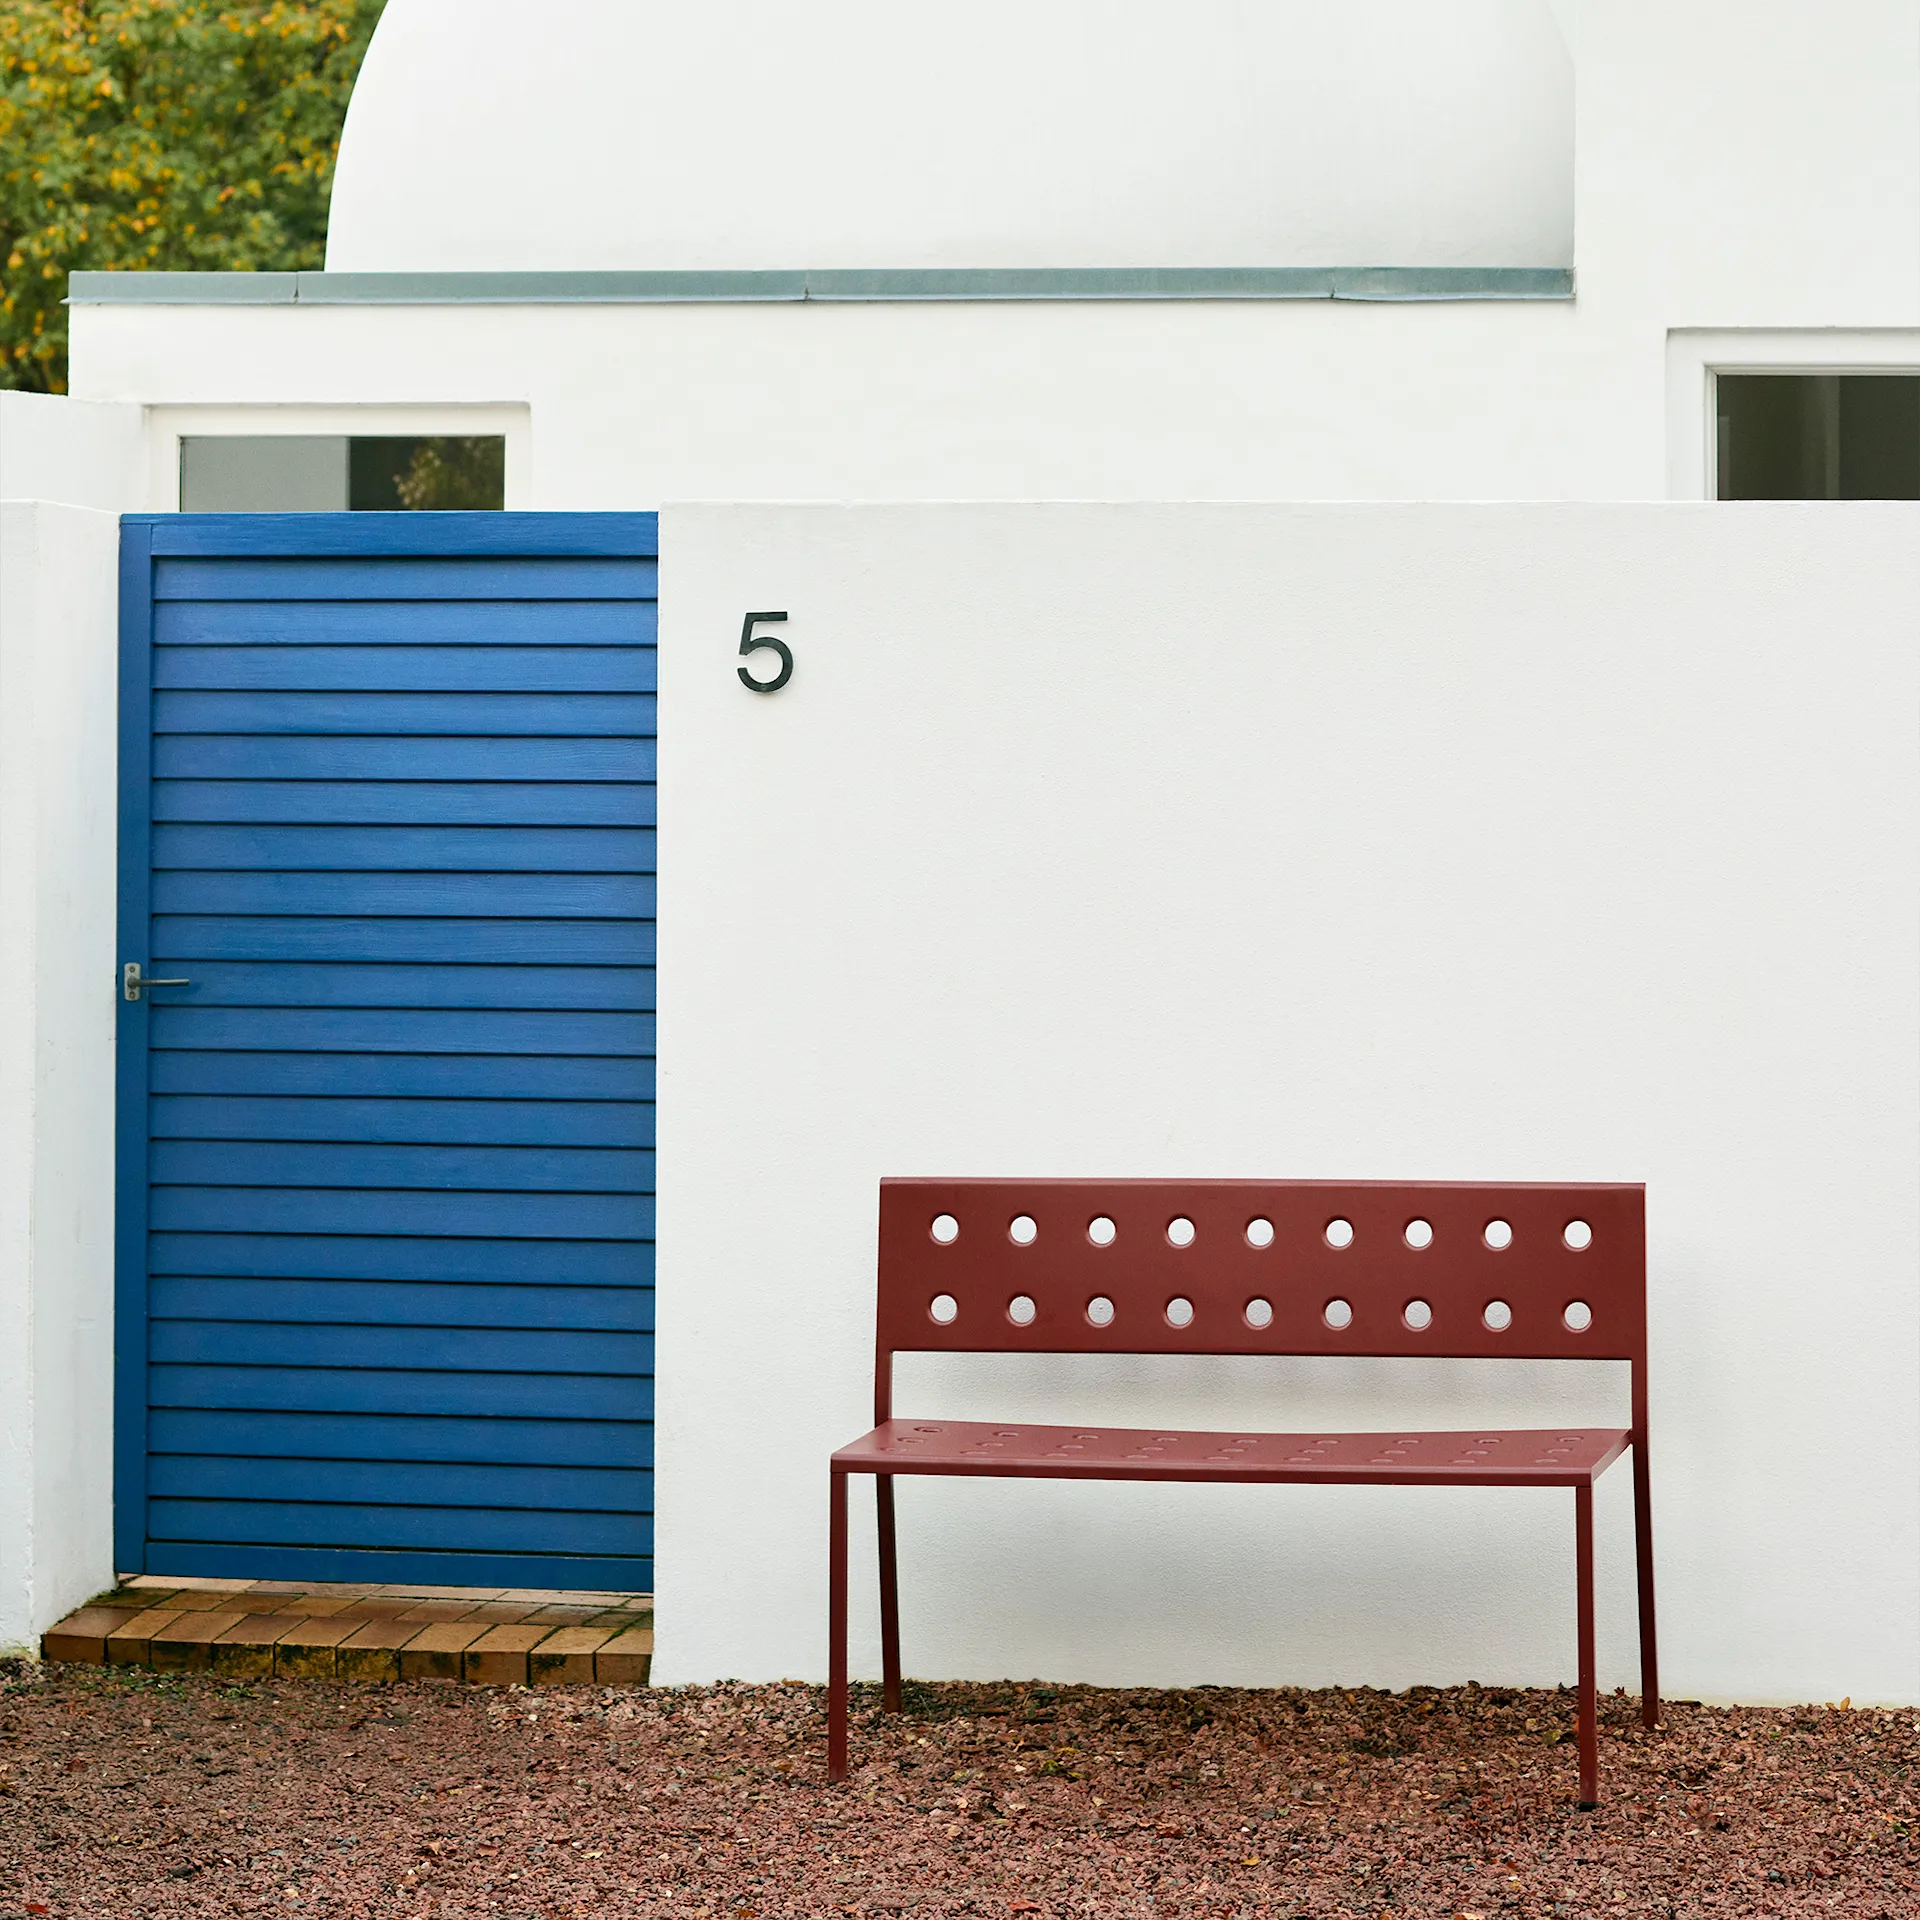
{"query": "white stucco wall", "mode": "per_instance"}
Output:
(58, 608)
(1744, 170)
(1452, 842)
(1051, 133)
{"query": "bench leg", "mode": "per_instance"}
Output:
(1583, 1574)
(837, 1628)
(1643, 1553)
(889, 1597)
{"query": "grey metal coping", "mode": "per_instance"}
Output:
(834, 284)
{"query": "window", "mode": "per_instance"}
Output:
(335, 473)
(1818, 436)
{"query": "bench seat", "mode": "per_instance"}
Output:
(1480, 1456)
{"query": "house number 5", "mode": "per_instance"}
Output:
(750, 643)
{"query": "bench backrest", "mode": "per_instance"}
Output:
(1416, 1269)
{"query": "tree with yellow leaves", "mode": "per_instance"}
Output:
(161, 134)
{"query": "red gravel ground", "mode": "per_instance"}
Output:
(124, 1792)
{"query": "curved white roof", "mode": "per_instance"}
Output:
(485, 135)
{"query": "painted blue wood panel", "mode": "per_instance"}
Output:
(241, 756)
(386, 1293)
(408, 669)
(491, 1396)
(591, 1263)
(414, 623)
(399, 579)
(498, 1123)
(378, 803)
(448, 1076)
(506, 849)
(207, 1476)
(279, 1434)
(558, 715)
(452, 1529)
(289, 984)
(464, 1350)
(410, 536)
(399, 1303)
(452, 937)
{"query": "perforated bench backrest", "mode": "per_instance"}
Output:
(1566, 1295)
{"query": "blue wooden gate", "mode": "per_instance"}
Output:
(385, 1260)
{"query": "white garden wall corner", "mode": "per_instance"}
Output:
(83, 453)
(1493, 842)
(58, 613)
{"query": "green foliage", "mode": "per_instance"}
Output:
(447, 475)
(178, 135)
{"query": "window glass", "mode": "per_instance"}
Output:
(1818, 436)
(333, 473)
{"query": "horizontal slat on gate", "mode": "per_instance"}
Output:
(501, 1396)
(323, 1256)
(427, 1076)
(202, 1476)
(401, 1303)
(464, 1350)
(492, 1216)
(597, 896)
(218, 1560)
(466, 1529)
(244, 756)
(504, 538)
(425, 714)
(496, 1123)
(460, 624)
(302, 1163)
(407, 669)
(513, 803)
(379, 1030)
(374, 1436)
(408, 849)
(397, 579)
(225, 983)
(456, 938)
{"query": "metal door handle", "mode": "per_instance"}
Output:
(131, 983)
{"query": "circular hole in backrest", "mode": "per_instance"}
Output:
(1419, 1234)
(1260, 1233)
(1496, 1316)
(943, 1309)
(1180, 1231)
(1339, 1233)
(1099, 1311)
(1020, 1310)
(1101, 1230)
(1498, 1234)
(1179, 1312)
(1259, 1314)
(1338, 1314)
(1418, 1315)
(1023, 1230)
(1578, 1235)
(1578, 1316)
(945, 1229)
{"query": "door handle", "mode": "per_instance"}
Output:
(131, 983)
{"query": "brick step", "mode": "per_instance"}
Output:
(489, 1636)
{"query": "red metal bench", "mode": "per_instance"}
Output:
(1422, 1270)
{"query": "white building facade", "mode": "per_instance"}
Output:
(1273, 697)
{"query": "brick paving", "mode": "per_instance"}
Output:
(484, 1636)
